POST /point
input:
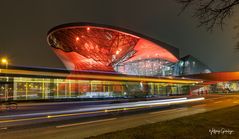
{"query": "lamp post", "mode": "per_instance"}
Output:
(5, 62)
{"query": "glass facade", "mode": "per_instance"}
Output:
(219, 87)
(32, 88)
(146, 67)
(225, 87)
(189, 65)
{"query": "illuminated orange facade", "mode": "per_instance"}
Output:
(87, 46)
(217, 76)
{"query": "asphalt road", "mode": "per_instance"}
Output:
(91, 123)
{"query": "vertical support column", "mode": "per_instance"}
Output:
(51, 88)
(76, 89)
(158, 92)
(14, 89)
(89, 86)
(26, 93)
(79, 88)
(103, 83)
(69, 86)
(151, 88)
(57, 89)
(6, 92)
(178, 89)
(65, 85)
(43, 89)
(109, 86)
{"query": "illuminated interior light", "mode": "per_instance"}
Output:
(88, 28)
(77, 38)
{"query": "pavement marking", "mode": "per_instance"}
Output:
(3, 128)
(218, 101)
(47, 117)
(84, 123)
(73, 114)
(165, 111)
(20, 120)
(215, 98)
(201, 105)
(149, 121)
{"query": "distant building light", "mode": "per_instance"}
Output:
(194, 63)
(88, 28)
(187, 63)
(181, 64)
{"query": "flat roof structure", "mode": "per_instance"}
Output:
(216, 76)
(86, 75)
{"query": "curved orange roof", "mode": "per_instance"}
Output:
(87, 46)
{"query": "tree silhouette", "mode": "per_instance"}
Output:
(211, 13)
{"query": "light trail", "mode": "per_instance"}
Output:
(95, 110)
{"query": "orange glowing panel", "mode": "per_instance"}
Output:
(149, 50)
(74, 61)
(87, 46)
(217, 76)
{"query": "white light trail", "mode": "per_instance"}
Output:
(108, 107)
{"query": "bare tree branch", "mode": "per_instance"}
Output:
(210, 13)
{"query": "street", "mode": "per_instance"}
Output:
(91, 120)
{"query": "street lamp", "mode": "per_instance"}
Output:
(5, 62)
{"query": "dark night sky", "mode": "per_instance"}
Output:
(24, 25)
